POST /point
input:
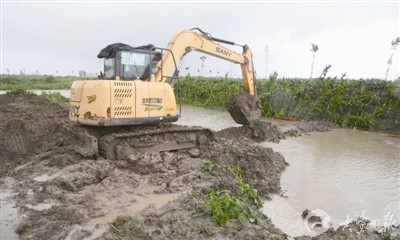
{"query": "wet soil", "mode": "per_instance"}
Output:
(243, 108)
(65, 190)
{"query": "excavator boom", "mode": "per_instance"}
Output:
(189, 40)
(242, 107)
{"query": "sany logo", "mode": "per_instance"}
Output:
(223, 51)
(91, 98)
(317, 222)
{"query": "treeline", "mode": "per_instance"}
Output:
(33, 82)
(371, 104)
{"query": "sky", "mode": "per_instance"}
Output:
(61, 38)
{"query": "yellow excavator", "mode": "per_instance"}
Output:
(137, 89)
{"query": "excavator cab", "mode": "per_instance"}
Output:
(131, 65)
(124, 62)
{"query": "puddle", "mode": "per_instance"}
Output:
(40, 206)
(111, 207)
(9, 212)
(45, 177)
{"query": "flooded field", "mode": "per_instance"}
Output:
(343, 172)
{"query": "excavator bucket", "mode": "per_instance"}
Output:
(243, 108)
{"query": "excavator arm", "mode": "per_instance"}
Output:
(200, 41)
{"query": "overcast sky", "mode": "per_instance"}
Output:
(355, 38)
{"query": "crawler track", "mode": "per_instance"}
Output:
(121, 145)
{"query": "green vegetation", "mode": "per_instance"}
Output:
(209, 166)
(208, 92)
(243, 188)
(55, 98)
(30, 82)
(349, 103)
(224, 205)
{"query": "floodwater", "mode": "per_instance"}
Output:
(345, 173)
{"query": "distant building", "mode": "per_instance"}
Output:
(91, 75)
(83, 73)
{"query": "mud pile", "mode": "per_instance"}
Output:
(65, 190)
(243, 108)
(258, 131)
(32, 126)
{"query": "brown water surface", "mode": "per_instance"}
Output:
(346, 173)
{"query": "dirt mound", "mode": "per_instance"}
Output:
(32, 125)
(243, 108)
(258, 131)
(61, 180)
(64, 190)
(181, 173)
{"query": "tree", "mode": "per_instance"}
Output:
(325, 71)
(314, 49)
(395, 43)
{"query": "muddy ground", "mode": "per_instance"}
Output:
(65, 190)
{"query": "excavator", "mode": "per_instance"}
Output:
(137, 89)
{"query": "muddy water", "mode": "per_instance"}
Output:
(212, 119)
(345, 173)
(8, 209)
(112, 207)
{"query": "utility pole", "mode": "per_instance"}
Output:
(266, 61)
(202, 58)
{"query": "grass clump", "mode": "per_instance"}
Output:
(224, 204)
(55, 98)
(209, 166)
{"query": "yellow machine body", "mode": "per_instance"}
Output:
(113, 103)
